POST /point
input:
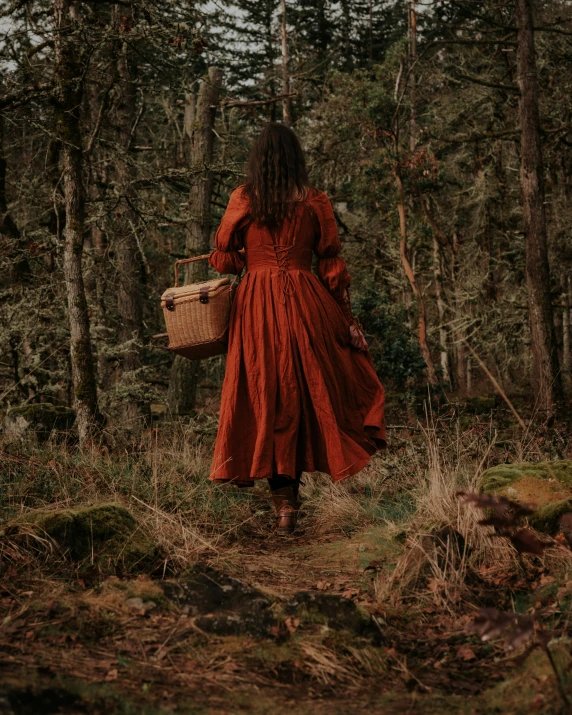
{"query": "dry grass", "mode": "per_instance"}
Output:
(162, 479)
(424, 582)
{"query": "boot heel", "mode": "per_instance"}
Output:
(286, 520)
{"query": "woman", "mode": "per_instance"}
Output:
(300, 393)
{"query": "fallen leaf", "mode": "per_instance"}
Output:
(291, 624)
(465, 652)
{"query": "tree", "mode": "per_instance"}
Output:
(127, 252)
(546, 375)
(184, 376)
(287, 114)
(68, 92)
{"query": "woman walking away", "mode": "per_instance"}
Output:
(300, 393)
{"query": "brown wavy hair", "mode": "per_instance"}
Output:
(276, 175)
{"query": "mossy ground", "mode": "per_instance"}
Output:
(106, 534)
(82, 638)
(546, 485)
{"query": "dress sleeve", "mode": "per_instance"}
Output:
(332, 269)
(229, 239)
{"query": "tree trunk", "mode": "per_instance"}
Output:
(443, 337)
(287, 114)
(546, 378)
(130, 289)
(459, 335)
(403, 253)
(96, 243)
(185, 375)
(68, 91)
(412, 78)
(566, 336)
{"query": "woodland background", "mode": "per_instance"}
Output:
(129, 583)
(125, 127)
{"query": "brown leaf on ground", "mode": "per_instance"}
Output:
(465, 652)
(527, 542)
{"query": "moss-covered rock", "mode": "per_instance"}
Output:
(222, 604)
(108, 532)
(547, 485)
(331, 610)
(39, 419)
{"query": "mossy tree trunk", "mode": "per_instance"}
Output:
(68, 94)
(130, 289)
(185, 375)
(546, 377)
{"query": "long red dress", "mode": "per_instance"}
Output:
(296, 397)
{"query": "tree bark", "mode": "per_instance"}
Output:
(546, 378)
(130, 289)
(412, 78)
(403, 253)
(287, 113)
(566, 335)
(461, 378)
(441, 309)
(185, 375)
(68, 92)
(96, 241)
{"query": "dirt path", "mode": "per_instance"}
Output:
(268, 626)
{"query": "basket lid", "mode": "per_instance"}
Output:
(194, 289)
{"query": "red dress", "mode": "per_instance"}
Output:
(296, 396)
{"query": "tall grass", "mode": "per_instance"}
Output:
(163, 479)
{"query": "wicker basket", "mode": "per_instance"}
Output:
(197, 315)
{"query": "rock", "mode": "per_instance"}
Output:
(109, 532)
(331, 610)
(547, 485)
(222, 604)
(39, 419)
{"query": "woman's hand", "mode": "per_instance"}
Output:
(357, 339)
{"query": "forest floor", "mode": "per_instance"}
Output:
(364, 609)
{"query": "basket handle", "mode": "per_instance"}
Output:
(188, 260)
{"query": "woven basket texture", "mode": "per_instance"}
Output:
(192, 322)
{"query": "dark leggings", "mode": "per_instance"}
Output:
(279, 481)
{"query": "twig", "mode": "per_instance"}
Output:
(496, 385)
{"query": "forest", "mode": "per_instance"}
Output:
(439, 579)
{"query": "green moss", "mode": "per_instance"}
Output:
(547, 517)
(108, 532)
(545, 484)
(505, 474)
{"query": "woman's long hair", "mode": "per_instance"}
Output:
(276, 175)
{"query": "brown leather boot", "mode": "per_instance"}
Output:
(286, 511)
